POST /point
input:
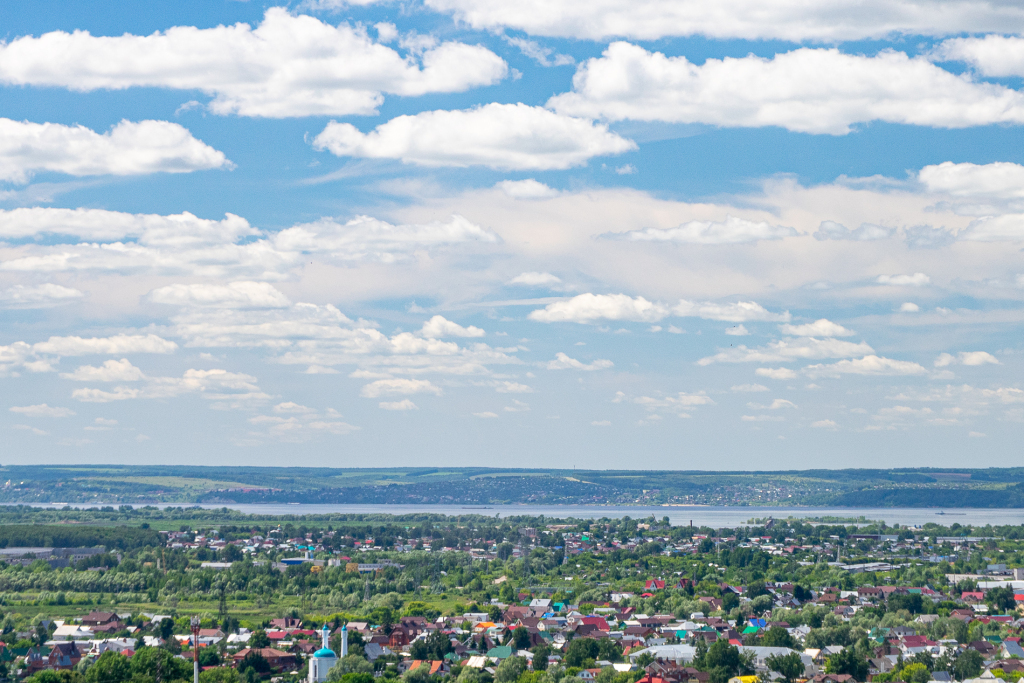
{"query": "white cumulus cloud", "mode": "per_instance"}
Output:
(367, 238)
(732, 230)
(789, 20)
(500, 136)
(999, 179)
(819, 328)
(775, 373)
(42, 410)
(289, 65)
(749, 388)
(439, 326)
(232, 295)
(966, 358)
(806, 90)
(116, 345)
(738, 312)
(231, 389)
(126, 149)
(587, 308)
(526, 189)
(38, 296)
(992, 55)
(544, 56)
(111, 371)
(404, 404)
(98, 225)
(185, 245)
(535, 279)
(804, 348)
(915, 280)
(564, 362)
(386, 387)
(868, 365)
(866, 232)
(1003, 228)
(292, 407)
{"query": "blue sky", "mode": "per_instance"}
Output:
(609, 234)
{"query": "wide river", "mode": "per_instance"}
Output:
(712, 516)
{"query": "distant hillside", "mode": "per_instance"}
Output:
(116, 484)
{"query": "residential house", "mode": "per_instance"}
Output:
(285, 623)
(987, 649)
(761, 655)
(97, 621)
(1012, 649)
(277, 659)
(832, 678)
(434, 667)
(36, 659)
(374, 650)
(63, 656)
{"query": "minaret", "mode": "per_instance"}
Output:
(344, 641)
(325, 636)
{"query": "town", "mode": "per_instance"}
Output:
(477, 599)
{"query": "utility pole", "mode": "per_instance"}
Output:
(195, 648)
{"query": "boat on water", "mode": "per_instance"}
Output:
(953, 514)
(472, 508)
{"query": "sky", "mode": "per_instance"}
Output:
(625, 234)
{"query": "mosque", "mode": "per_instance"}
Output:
(324, 659)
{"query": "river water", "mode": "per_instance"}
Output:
(701, 515)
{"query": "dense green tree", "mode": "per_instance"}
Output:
(521, 638)
(910, 602)
(159, 664)
(420, 674)
(967, 665)
(540, 657)
(646, 659)
(255, 661)
(259, 639)
(915, 673)
(109, 667)
(1001, 598)
(723, 661)
(777, 636)
(790, 666)
(208, 656)
(352, 664)
(847, 661)
(360, 677)
(220, 674)
(510, 670)
(230, 553)
(581, 651)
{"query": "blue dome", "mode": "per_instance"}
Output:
(325, 652)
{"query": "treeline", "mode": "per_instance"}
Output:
(484, 491)
(1011, 497)
(913, 487)
(55, 536)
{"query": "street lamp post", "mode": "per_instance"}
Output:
(195, 648)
